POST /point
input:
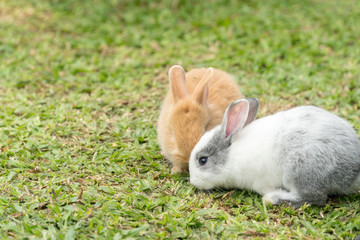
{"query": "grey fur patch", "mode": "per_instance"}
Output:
(216, 150)
(321, 157)
(253, 108)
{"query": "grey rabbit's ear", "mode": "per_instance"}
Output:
(253, 108)
(239, 114)
(177, 80)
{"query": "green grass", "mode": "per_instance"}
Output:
(81, 84)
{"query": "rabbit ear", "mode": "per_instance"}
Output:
(177, 82)
(239, 114)
(201, 91)
(253, 108)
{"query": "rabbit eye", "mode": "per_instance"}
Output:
(202, 161)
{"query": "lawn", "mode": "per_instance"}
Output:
(81, 85)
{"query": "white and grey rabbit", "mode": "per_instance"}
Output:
(302, 155)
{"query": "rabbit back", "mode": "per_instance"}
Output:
(319, 152)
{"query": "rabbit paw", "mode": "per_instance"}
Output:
(179, 169)
(280, 196)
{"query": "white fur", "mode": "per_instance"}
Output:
(250, 166)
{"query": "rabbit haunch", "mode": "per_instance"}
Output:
(302, 155)
(195, 103)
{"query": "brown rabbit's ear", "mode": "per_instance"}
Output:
(177, 82)
(201, 91)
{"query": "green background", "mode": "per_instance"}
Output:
(81, 84)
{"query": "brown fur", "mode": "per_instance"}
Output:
(187, 113)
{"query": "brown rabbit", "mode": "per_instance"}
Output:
(194, 104)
